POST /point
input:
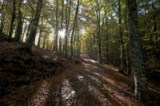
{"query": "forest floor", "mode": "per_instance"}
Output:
(44, 79)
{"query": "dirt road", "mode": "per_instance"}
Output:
(84, 85)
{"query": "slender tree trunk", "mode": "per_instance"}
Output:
(121, 36)
(39, 39)
(127, 48)
(68, 10)
(74, 27)
(105, 23)
(107, 48)
(44, 41)
(78, 44)
(34, 24)
(2, 17)
(2, 23)
(62, 14)
(56, 31)
(137, 68)
(155, 31)
(60, 45)
(98, 32)
(24, 28)
(19, 23)
(12, 20)
(29, 26)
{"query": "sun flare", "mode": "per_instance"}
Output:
(61, 33)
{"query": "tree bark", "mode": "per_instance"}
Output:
(19, 23)
(39, 39)
(68, 10)
(98, 32)
(62, 14)
(44, 42)
(56, 31)
(106, 38)
(155, 31)
(12, 20)
(121, 35)
(60, 45)
(2, 17)
(137, 68)
(74, 27)
(34, 24)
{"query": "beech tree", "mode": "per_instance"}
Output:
(67, 23)
(34, 24)
(13, 19)
(136, 56)
(99, 30)
(19, 22)
(56, 29)
(74, 27)
(2, 16)
(120, 34)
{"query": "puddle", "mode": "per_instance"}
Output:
(80, 77)
(90, 60)
(67, 93)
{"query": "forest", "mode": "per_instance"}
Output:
(79, 52)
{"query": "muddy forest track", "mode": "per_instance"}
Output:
(84, 85)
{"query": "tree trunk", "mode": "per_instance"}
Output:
(121, 35)
(44, 42)
(39, 39)
(56, 31)
(19, 23)
(105, 23)
(34, 24)
(67, 26)
(137, 68)
(2, 17)
(62, 14)
(12, 20)
(98, 32)
(78, 45)
(74, 27)
(60, 46)
(155, 31)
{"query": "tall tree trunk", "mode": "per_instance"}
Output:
(106, 37)
(60, 45)
(2, 23)
(68, 10)
(44, 41)
(12, 20)
(121, 35)
(28, 29)
(56, 31)
(62, 14)
(78, 44)
(98, 32)
(2, 17)
(128, 71)
(19, 23)
(34, 24)
(74, 27)
(39, 39)
(24, 27)
(155, 31)
(137, 68)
